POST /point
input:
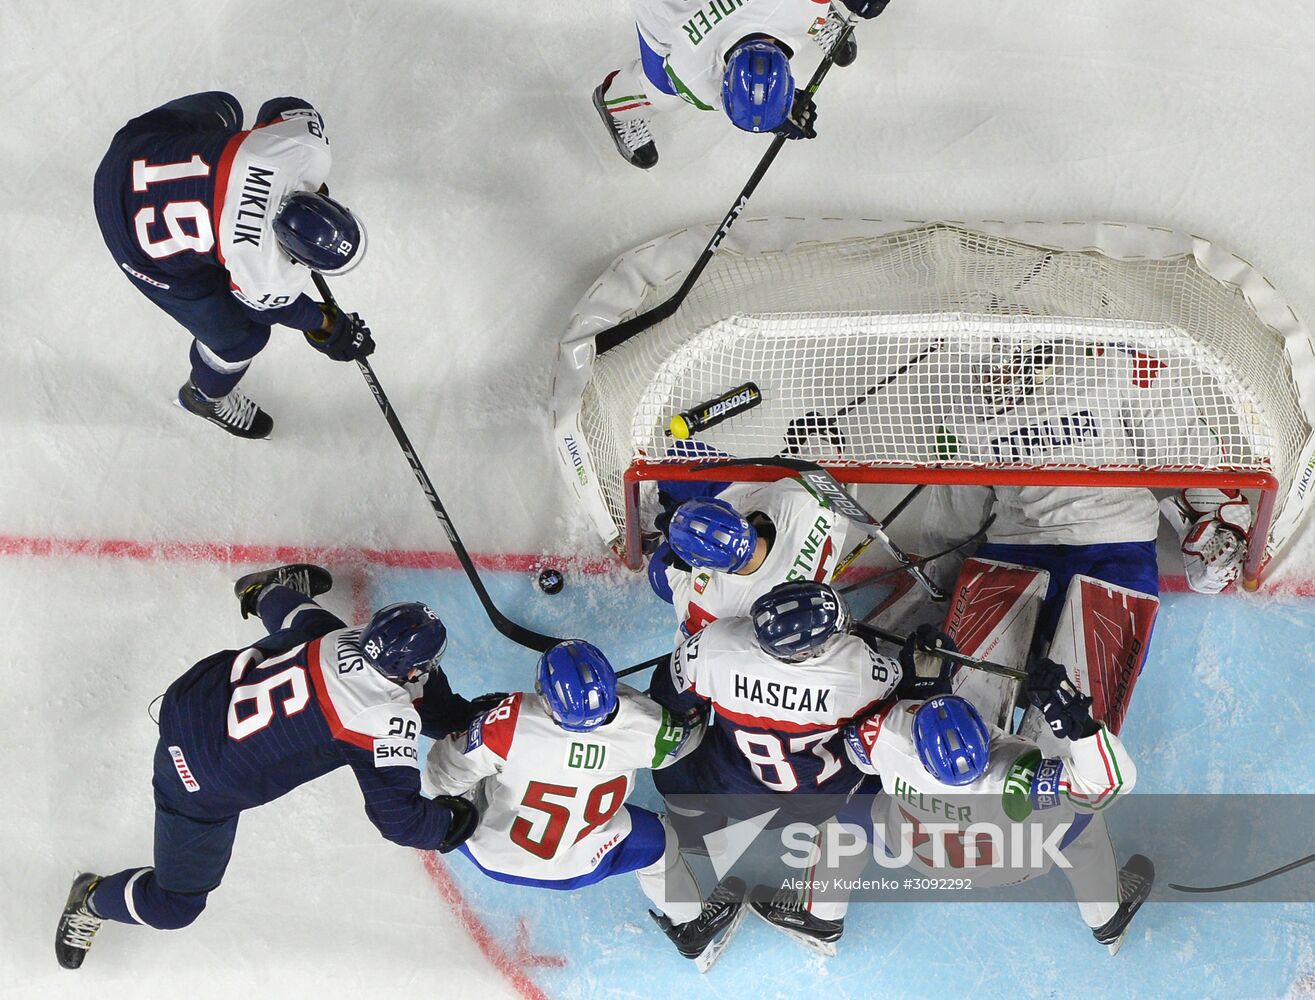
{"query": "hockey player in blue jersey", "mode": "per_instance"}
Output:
(782, 684)
(221, 227)
(243, 727)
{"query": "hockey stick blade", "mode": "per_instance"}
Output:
(513, 631)
(619, 334)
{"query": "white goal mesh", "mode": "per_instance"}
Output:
(988, 354)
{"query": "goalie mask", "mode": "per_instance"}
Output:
(1011, 374)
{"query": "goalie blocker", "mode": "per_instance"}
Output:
(1101, 637)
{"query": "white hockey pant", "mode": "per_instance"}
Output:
(631, 96)
(669, 884)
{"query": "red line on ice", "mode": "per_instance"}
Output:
(511, 968)
(478, 931)
(242, 552)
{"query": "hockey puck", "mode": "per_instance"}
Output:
(551, 581)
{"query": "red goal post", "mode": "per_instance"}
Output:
(817, 312)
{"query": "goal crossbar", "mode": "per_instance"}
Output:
(901, 352)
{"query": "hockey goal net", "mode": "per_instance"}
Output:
(937, 316)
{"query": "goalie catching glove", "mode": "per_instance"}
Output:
(1212, 527)
(346, 339)
(1067, 710)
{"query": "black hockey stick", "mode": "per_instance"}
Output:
(516, 633)
(849, 558)
(638, 667)
(861, 628)
(964, 659)
(800, 429)
(976, 536)
(1281, 870)
(823, 485)
(844, 563)
(619, 334)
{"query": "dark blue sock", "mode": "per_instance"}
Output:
(210, 381)
(133, 896)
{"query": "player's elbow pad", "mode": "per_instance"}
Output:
(657, 573)
(275, 106)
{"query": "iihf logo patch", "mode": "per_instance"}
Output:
(184, 772)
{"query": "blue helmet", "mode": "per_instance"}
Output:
(315, 230)
(401, 638)
(757, 89)
(711, 534)
(577, 685)
(797, 620)
(953, 743)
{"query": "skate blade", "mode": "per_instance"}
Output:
(713, 951)
(827, 949)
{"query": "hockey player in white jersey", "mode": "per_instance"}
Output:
(1092, 550)
(551, 772)
(731, 56)
(718, 561)
(1075, 404)
(953, 787)
(221, 228)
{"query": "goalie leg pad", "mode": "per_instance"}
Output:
(993, 614)
(1103, 634)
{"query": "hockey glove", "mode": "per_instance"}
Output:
(800, 430)
(1067, 710)
(926, 675)
(865, 8)
(465, 820)
(802, 123)
(484, 704)
(1212, 526)
(348, 339)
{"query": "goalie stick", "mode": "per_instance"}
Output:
(852, 555)
(619, 334)
(513, 631)
(976, 536)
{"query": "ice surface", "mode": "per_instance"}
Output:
(464, 136)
